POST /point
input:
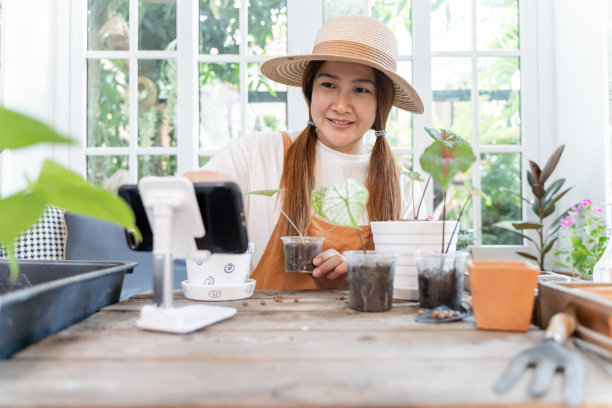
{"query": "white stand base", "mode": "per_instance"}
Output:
(181, 320)
(406, 293)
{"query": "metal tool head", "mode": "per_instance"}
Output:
(547, 359)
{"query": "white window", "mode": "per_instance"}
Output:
(161, 96)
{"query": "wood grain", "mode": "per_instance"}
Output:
(315, 352)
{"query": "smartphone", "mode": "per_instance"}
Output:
(222, 212)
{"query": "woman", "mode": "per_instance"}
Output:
(350, 85)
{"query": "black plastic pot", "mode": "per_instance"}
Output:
(49, 296)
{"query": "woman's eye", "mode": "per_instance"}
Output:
(327, 84)
(362, 90)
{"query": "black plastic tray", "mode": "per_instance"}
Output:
(49, 296)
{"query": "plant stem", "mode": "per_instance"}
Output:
(291, 222)
(540, 233)
(361, 240)
(458, 219)
(422, 196)
(443, 218)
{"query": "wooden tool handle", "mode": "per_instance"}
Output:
(561, 326)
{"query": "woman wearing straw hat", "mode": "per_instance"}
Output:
(350, 84)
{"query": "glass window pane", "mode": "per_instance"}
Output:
(395, 14)
(109, 172)
(499, 112)
(500, 177)
(107, 103)
(498, 24)
(219, 27)
(107, 25)
(405, 160)
(157, 102)
(267, 27)
(157, 24)
(399, 124)
(219, 104)
(456, 197)
(156, 166)
(452, 84)
(267, 109)
(451, 25)
(335, 8)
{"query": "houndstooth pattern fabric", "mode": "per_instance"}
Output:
(44, 240)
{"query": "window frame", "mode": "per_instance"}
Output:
(304, 20)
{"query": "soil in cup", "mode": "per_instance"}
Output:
(437, 288)
(299, 255)
(371, 287)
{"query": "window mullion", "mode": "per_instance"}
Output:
(133, 88)
(476, 201)
(244, 80)
(187, 84)
(421, 79)
(304, 18)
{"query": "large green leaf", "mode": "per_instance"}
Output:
(69, 191)
(343, 205)
(18, 212)
(550, 207)
(17, 130)
(443, 162)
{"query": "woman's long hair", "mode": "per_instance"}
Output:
(382, 179)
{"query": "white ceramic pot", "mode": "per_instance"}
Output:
(218, 269)
(405, 237)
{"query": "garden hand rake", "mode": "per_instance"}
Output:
(547, 358)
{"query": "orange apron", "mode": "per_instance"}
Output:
(270, 271)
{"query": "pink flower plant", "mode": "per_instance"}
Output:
(583, 239)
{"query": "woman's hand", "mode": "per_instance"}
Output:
(206, 176)
(329, 266)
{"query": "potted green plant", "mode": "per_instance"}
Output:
(42, 297)
(300, 249)
(370, 273)
(543, 206)
(440, 273)
(583, 239)
(415, 230)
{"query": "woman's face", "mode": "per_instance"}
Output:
(343, 105)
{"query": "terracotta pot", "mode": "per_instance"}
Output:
(503, 293)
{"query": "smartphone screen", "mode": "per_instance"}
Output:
(222, 212)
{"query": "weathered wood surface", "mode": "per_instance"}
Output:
(315, 352)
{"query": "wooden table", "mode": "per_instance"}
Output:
(316, 352)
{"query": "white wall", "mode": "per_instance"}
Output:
(34, 79)
(580, 96)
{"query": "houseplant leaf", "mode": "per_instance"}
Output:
(554, 200)
(20, 131)
(527, 255)
(515, 232)
(443, 162)
(551, 163)
(268, 193)
(67, 190)
(316, 200)
(526, 225)
(343, 205)
(553, 188)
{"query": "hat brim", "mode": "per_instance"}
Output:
(290, 69)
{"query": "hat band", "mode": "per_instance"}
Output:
(356, 50)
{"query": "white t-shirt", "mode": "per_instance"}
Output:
(256, 163)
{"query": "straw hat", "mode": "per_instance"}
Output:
(358, 39)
